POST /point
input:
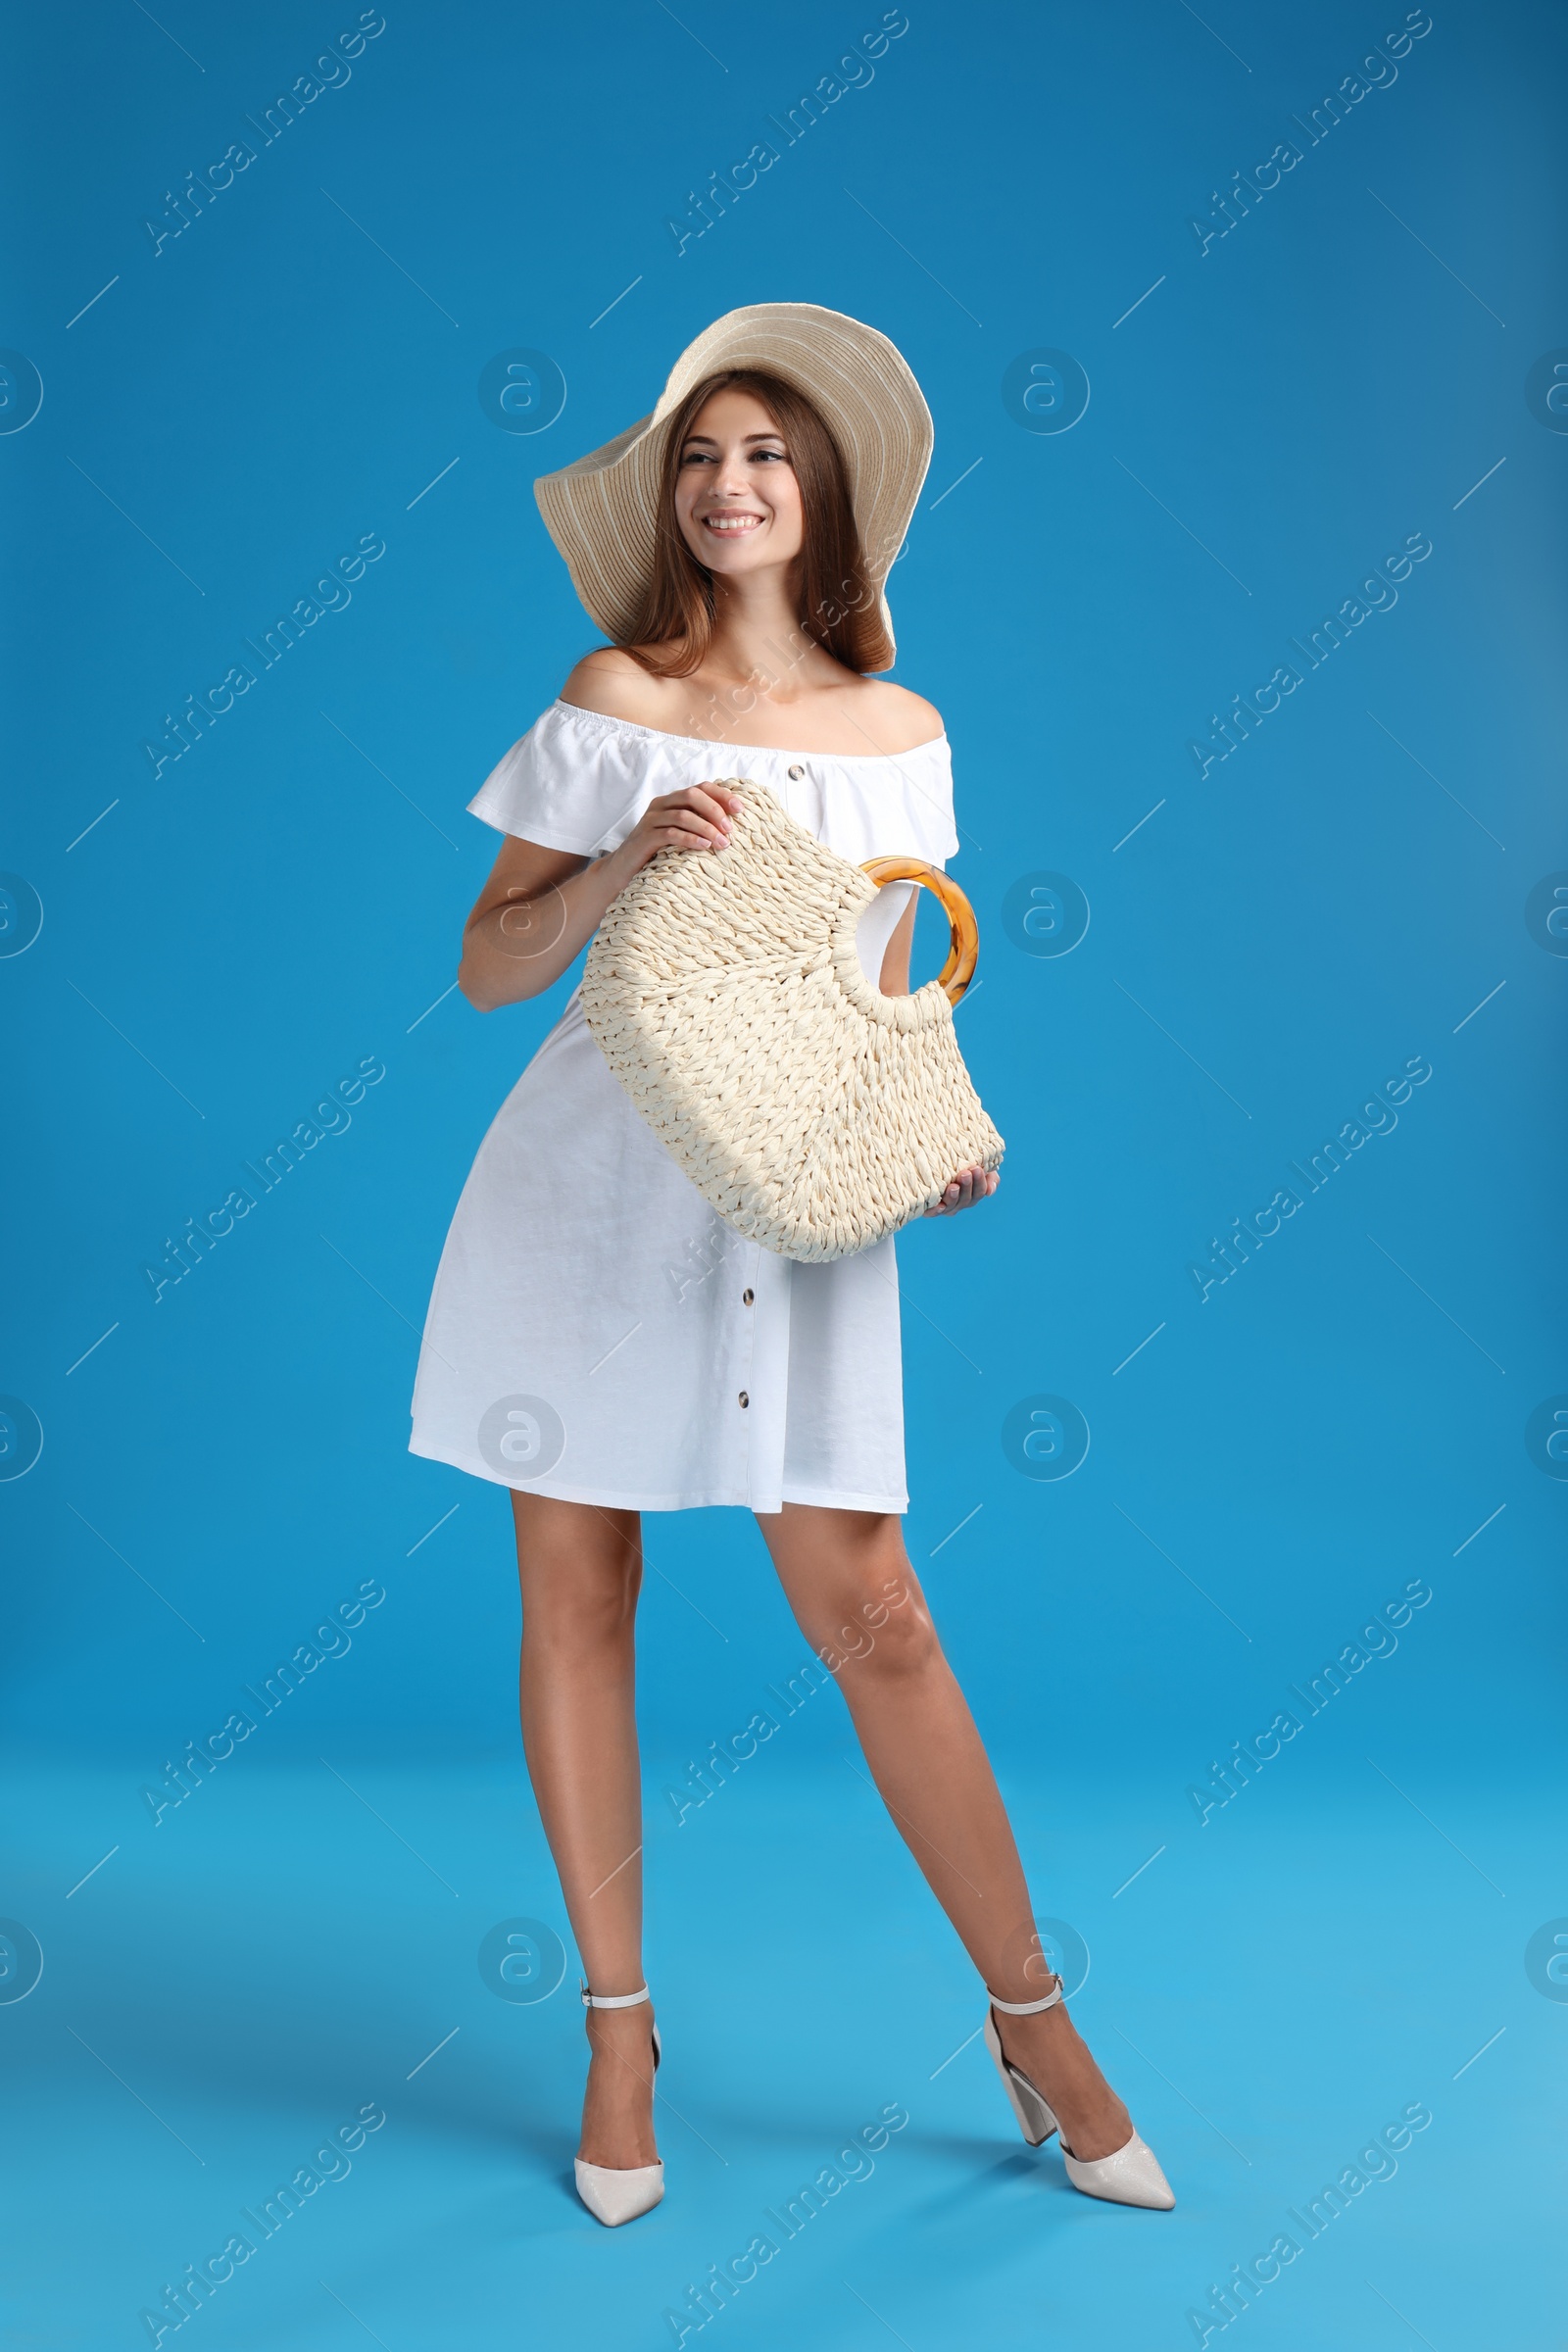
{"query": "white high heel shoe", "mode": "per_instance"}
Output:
(1129, 2176)
(616, 2193)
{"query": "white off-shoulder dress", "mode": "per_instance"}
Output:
(596, 1331)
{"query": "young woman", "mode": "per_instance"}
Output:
(598, 1341)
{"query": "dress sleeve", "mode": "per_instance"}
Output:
(927, 779)
(567, 786)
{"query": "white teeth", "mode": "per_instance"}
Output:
(731, 522)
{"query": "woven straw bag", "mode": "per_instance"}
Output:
(815, 1114)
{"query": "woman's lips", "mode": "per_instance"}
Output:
(731, 527)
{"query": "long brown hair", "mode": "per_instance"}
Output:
(835, 603)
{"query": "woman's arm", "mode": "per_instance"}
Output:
(540, 906)
(896, 955)
(971, 1185)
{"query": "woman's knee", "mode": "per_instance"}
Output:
(580, 1572)
(880, 1628)
(578, 1615)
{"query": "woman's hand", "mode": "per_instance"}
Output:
(695, 820)
(967, 1187)
(540, 906)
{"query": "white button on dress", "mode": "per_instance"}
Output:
(596, 1331)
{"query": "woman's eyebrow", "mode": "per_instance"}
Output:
(707, 440)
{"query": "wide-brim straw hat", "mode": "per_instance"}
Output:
(600, 511)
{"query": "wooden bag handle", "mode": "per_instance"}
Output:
(964, 952)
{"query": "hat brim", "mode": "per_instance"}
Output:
(600, 511)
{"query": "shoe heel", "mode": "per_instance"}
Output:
(1035, 2118)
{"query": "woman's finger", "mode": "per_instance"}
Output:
(687, 836)
(711, 798)
(963, 1190)
(682, 813)
(685, 813)
(710, 801)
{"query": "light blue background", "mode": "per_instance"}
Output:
(301, 368)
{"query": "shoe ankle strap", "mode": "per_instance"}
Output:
(614, 2001)
(1029, 2008)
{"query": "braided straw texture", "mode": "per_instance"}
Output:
(813, 1112)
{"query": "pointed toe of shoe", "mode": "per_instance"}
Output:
(613, 2195)
(1130, 2177)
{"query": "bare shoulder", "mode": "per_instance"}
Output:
(614, 685)
(900, 721)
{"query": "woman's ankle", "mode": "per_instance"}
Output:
(617, 2120)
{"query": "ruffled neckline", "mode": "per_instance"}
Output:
(768, 750)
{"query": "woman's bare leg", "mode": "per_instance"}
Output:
(848, 1578)
(581, 1569)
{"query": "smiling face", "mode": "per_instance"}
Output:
(737, 499)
